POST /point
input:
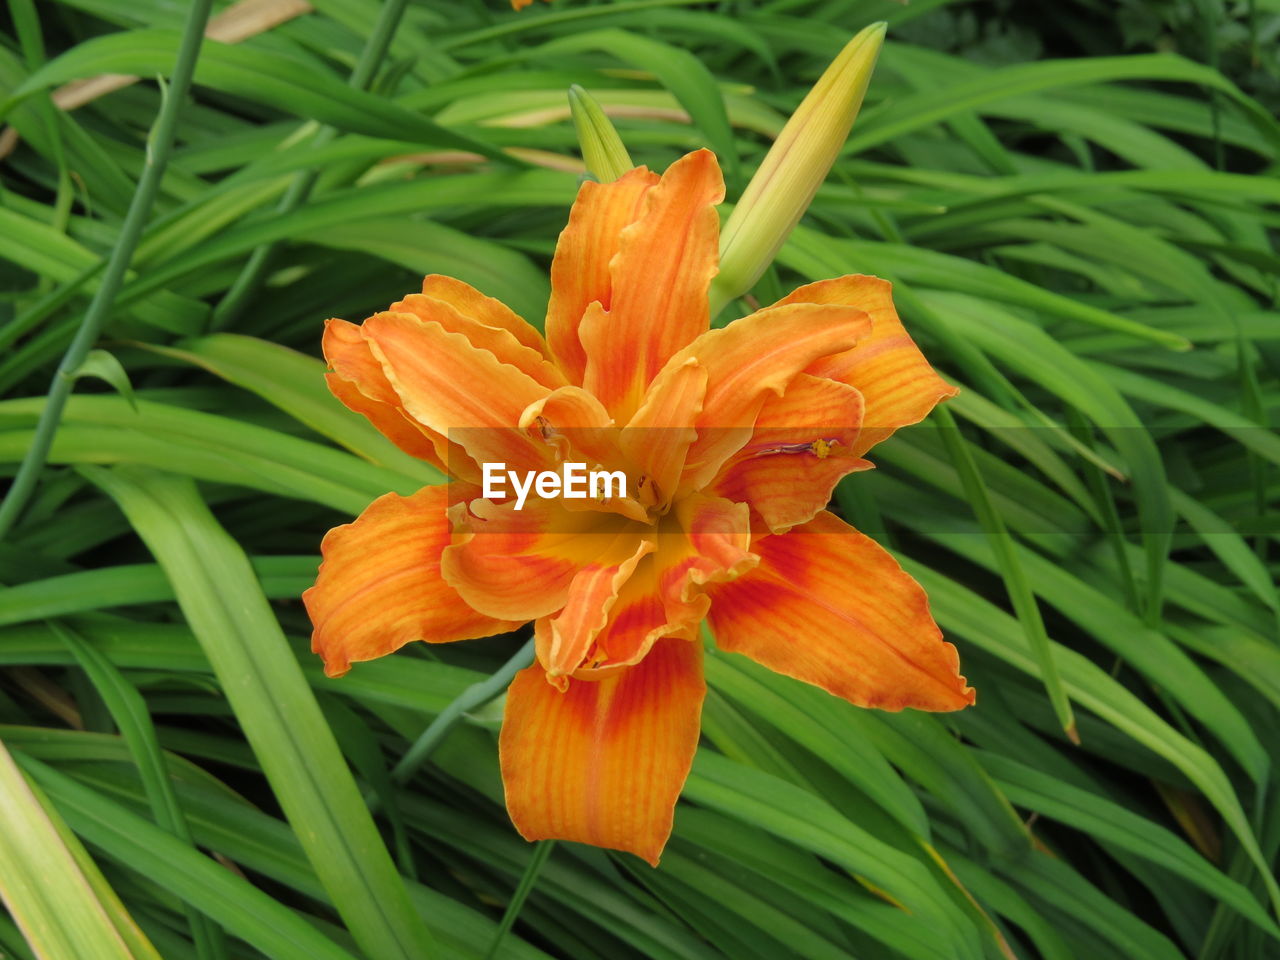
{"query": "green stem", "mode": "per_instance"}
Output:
(541, 851)
(159, 146)
(472, 698)
(251, 276)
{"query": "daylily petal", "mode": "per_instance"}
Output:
(580, 270)
(658, 302)
(359, 383)
(575, 425)
(705, 540)
(715, 547)
(745, 362)
(520, 564)
(603, 763)
(802, 445)
(563, 640)
(896, 381)
(829, 606)
(470, 302)
(501, 343)
(637, 620)
(657, 439)
(379, 585)
(454, 388)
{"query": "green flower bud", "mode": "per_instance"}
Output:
(794, 168)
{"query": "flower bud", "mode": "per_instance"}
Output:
(602, 150)
(794, 168)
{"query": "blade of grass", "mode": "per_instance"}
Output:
(44, 887)
(129, 711)
(251, 275)
(241, 908)
(276, 709)
(1015, 578)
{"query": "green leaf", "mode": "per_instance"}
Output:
(129, 711)
(288, 83)
(225, 896)
(295, 383)
(59, 907)
(104, 366)
(1112, 823)
(678, 70)
(276, 709)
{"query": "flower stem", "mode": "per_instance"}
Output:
(250, 278)
(159, 146)
(475, 696)
(541, 851)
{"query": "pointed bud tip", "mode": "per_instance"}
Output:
(602, 149)
(870, 36)
(795, 166)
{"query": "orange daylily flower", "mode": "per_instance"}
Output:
(731, 441)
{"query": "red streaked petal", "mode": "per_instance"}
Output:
(604, 762)
(745, 362)
(379, 585)
(831, 607)
(580, 269)
(802, 445)
(660, 275)
(519, 564)
(566, 638)
(636, 622)
(897, 382)
(704, 540)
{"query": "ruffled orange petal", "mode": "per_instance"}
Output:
(745, 362)
(603, 763)
(454, 388)
(470, 302)
(660, 275)
(831, 607)
(379, 585)
(498, 341)
(704, 540)
(564, 640)
(519, 564)
(580, 269)
(574, 425)
(576, 428)
(802, 445)
(896, 381)
(359, 383)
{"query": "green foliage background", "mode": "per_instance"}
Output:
(1080, 225)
